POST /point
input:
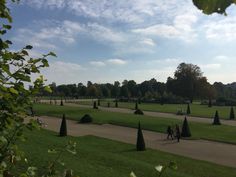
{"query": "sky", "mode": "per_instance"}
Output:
(108, 40)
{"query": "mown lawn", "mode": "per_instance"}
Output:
(199, 130)
(196, 109)
(98, 157)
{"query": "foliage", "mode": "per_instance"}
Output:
(116, 103)
(86, 119)
(216, 120)
(63, 128)
(95, 105)
(108, 104)
(188, 110)
(62, 104)
(140, 145)
(185, 129)
(136, 105)
(138, 111)
(231, 116)
(211, 6)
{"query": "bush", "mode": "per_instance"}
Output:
(108, 104)
(231, 116)
(180, 112)
(188, 110)
(136, 105)
(116, 104)
(185, 129)
(95, 105)
(210, 103)
(216, 120)
(86, 119)
(140, 145)
(98, 102)
(225, 102)
(63, 129)
(138, 111)
(62, 103)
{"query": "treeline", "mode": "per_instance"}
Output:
(188, 83)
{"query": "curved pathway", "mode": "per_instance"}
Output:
(215, 152)
(158, 114)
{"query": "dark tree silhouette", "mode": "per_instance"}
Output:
(62, 104)
(140, 145)
(63, 128)
(136, 105)
(216, 120)
(210, 103)
(98, 102)
(108, 104)
(185, 129)
(95, 105)
(188, 110)
(116, 104)
(232, 116)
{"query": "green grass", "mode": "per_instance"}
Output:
(196, 109)
(98, 157)
(222, 133)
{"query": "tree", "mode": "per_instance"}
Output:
(188, 109)
(140, 145)
(136, 105)
(116, 104)
(63, 128)
(185, 129)
(95, 105)
(231, 116)
(216, 120)
(108, 104)
(98, 102)
(62, 104)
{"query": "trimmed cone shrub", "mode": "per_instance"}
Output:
(216, 120)
(231, 116)
(210, 103)
(116, 104)
(55, 102)
(136, 105)
(140, 145)
(185, 129)
(86, 119)
(95, 105)
(188, 110)
(108, 104)
(98, 102)
(138, 111)
(63, 129)
(62, 103)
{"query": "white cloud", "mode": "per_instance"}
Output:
(211, 66)
(116, 61)
(221, 58)
(223, 29)
(147, 41)
(97, 63)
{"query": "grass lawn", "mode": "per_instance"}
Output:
(98, 157)
(196, 109)
(199, 130)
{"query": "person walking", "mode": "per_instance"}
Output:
(177, 132)
(169, 132)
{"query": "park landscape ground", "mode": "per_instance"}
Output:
(214, 144)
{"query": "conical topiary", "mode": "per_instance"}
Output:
(108, 104)
(188, 110)
(140, 145)
(55, 102)
(216, 120)
(232, 116)
(86, 119)
(210, 103)
(63, 129)
(136, 105)
(95, 105)
(116, 104)
(62, 103)
(98, 102)
(185, 129)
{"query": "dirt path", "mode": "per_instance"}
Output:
(220, 153)
(158, 114)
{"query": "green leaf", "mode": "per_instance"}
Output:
(6, 26)
(173, 166)
(14, 91)
(211, 6)
(48, 89)
(52, 54)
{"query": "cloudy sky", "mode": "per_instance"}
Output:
(108, 40)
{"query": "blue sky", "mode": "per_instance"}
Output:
(107, 40)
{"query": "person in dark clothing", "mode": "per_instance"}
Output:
(177, 132)
(169, 132)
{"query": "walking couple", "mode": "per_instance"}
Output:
(171, 134)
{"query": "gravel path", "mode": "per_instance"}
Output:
(158, 114)
(220, 153)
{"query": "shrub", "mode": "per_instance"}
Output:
(216, 120)
(210, 103)
(98, 102)
(86, 119)
(185, 129)
(140, 145)
(116, 104)
(136, 105)
(180, 112)
(188, 110)
(95, 105)
(231, 116)
(108, 104)
(62, 103)
(63, 129)
(138, 111)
